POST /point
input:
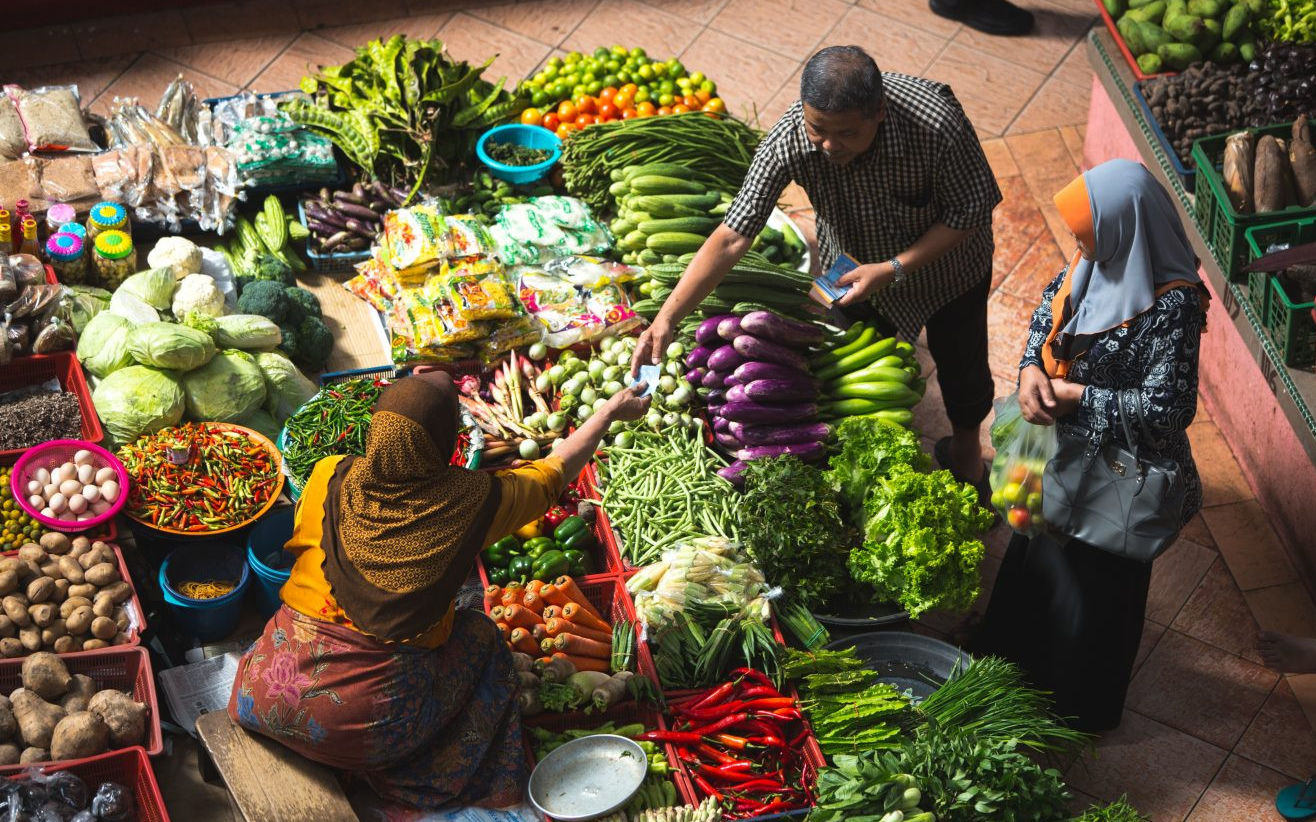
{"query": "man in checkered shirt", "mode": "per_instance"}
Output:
(898, 181)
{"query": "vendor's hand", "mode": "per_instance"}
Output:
(652, 346)
(865, 281)
(1037, 399)
(1068, 395)
(627, 404)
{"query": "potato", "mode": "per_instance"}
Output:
(79, 622)
(63, 645)
(9, 754)
(46, 676)
(7, 627)
(81, 545)
(52, 632)
(125, 717)
(120, 592)
(103, 628)
(94, 644)
(32, 553)
(61, 590)
(13, 564)
(121, 619)
(16, 610)
(10, 647)
(103, 574)
(84, 590)
(103, 606)
(56, 543)
(71, 570)
(31, 755)
(40, 590)
(79, 735)
(36, 717)
(8, 582)
(4, 703)
(43, 614)
(50, 568)
(30, 571)
(120, 639)
(72, 604)
(81, 689)
(93, 557)
(30, 637)
(8, 725)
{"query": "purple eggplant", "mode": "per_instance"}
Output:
(715, 396)
(781, 391)
(780, 330)
(754, 348)
(775, 414)
(731, 379)
(712, 379)
(706, 333)
(715, 409)
(729, 328)
(751, 371)
(807, 451)
(722, 425)
(734, 473)
(358, 211)
(694, 375)
(737, 394)
(698, 358)
(727, 441)
(780, 434)
(725, 359)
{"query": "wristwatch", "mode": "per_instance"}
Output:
(898, 269)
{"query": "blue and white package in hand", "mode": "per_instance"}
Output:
(827, 288)
(649, 375)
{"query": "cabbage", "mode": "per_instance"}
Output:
(88, 301)
(137, 400)
(132, 307)
(103, 344)
(246, 331)
(262, 423)
(170, 346)
(286, 388)
(226, 389)
(155, 286)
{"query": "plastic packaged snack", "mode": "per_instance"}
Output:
(375, 283)
(478, 291)
(453, 329)
(590, 272)
(467, 237)
(558, 306)
(610, 303)
(516, 333)
(415, 239)
(565, 211)
(12, 142)
(52, 118)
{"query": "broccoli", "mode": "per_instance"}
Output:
(290, 345)
(314, 344)
(263, 265)
(265, 298)
(301, 304)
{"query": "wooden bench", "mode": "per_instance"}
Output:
(268, 782)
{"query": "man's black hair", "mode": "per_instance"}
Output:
(842, 78)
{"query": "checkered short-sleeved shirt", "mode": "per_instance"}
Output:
(925, 166)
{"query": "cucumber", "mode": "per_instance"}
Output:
(887, 392)
(692, 225)
(655, 170)
(619, 189)
(620, 227)
(634, 241)
(654, 184)
(673, 205)
(674, 242)
(649, 257)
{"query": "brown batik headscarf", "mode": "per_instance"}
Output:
(404, 524)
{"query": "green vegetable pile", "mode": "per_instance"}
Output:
(1290, 21)
(514, 154)
(850, 711)
(1170, 35)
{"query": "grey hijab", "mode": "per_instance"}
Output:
(1140, 245)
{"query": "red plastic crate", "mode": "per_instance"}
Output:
(1124, 49)
(38, 368)
(123, 667)
(128, 767)
(133, 605)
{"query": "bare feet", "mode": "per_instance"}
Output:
(1287, 653)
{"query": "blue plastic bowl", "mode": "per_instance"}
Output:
(271, 564)
(522, 135)
(206, 620)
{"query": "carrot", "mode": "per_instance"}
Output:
(493, 595)
(568, 586)
(519, 616)
(513, 596)
(580, 646)
(539, 632)
(534, 602)
(551, 611)
(533, 586)
(554, 595)
(546, 645)
(562, 626)
(585, 663)
(577, 614)
(496, 613)
(505, 630)
(540, 662)
(522, 641)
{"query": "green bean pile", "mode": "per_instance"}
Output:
(664, 489)
(332, 423)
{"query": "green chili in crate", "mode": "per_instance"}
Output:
(332, 423)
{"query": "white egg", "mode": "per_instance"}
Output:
(33, 487)
(91, 493)
(77, 503)
(82, 457)
(43, 476)
(86, 473)
(99, 507)
(37, 501)
(68, 516)
(69, 487)
(110, 491)
(58, 502)
(50, 490)
(70, 470)
(46, 512)
(105, 475)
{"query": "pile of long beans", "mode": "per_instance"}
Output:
(663, 489)
(717, 151)
(332, 423)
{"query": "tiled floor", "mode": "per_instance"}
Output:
(1209, 734)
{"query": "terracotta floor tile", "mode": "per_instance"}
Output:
(915, 13)
(1080, 7)
(548, 21)
(1054, 34)
(1151, 634)
(1222, 479)
(991, 90)
(1304, 689)
(1073, 142)
(999, 157)
(240, 21)
(745, 74)
(1075, 68)
(90, 76)
(147, 78)
(1134, 760)
(1196, 530)
(417, 27)
(1244, 537)
(1017, 225)
(304, 55)
(658, 32)
(1216, 613)
(131, 32)
(314, 14)
(233, 61)
(37, 47)
(1059, 230)
(1008, 317)
(1200, 689)
(472, 39)
(1280, 737)
(1035, 271)
(693, 11)
(771, 111)
(1044, 161)
(1175, 575)
(1057, 103)
(789, 27)
(1287, 608)
(1243, 791)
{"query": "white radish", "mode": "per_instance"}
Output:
(58, 503)
(91, 494)
(109, 491)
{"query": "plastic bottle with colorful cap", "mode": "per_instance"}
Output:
(106, 216)
(68, 258)
(115, 258)
(58, 216)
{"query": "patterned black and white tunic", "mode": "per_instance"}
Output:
(1153, 357)
(925, 166)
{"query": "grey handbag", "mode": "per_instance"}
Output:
(1102, 492)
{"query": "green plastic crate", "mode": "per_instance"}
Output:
(1221, 226)
(1259, 238)
(1290, 327)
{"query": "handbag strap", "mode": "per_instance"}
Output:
(1124, 420)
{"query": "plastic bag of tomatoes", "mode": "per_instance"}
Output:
(1022, 452)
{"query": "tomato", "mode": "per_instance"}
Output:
(583, 120)
(691, 101)
(623, 100)
(1018, 473)
(663, 111)
(715, 105)
(629, 114)
(703, 96)
(532, 117)
(566, 111)
(585, 104)
(680, 108)
(608, 110)
(1019, 519)
(606, 95)
(630, 89)
(646, 109)
(564, 130)
(551, 121)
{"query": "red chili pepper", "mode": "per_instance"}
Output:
(789, 713)
(757, 727)
(769, 704)
(704, 749)
(714, 712)
(767, 741)
(776, 806)
(737, 766)
(749, 673)
(766, 785)
(673, 737)
(735, 743)
(720, 725)
(759, 692)
(734, 779)
(715, 696)
(709, 790)
(797, 740)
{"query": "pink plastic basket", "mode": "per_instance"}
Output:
(51, 455)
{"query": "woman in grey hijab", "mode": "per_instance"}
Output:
(1125, 317)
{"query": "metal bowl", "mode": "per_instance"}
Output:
(588, 777)
(861, 615)
(908, 661)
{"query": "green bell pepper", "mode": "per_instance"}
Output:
(580, 541)
(571, 525)
(550, 565)
(501, 552)
(521, 569)
(498, 576)
(581, 562)
(534, 547)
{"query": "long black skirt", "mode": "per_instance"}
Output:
(1071, 616)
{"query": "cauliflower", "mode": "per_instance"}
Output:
(177, 253)
(198, 292)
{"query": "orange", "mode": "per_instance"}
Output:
(566, 110)
(532, 117)
(664, 111)
(646, 109)
(703, 96)
(715, 105)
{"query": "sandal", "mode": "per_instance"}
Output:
(1298, 801)
(941, 451)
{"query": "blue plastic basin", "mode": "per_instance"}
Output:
(206, 620)
(523, 135)
(269, 562)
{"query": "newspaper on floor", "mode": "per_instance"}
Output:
(199, 688)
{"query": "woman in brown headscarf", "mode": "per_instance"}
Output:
(368, 667)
